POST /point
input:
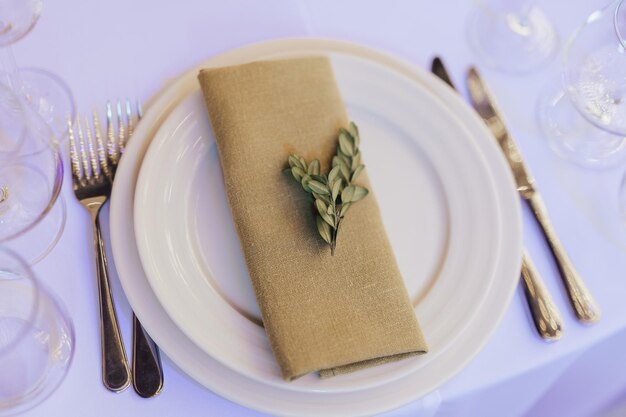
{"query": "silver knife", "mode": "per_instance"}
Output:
(545, 315)
(584, 306)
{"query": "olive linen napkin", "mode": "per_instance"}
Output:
(333, 314)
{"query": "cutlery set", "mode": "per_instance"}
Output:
(545, 316)
(94, 161)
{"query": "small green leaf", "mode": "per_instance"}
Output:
(297, 173)
(314, 167)
(330, 210)
(356, 161)
(354, 131)
(321, 206)
(353, 193)
(356, 172)
(345, 173)
(344, 209)
(324, 198)
(345, 159)
(306, 179)
(320, 178)
(329, 218)
(334, 173)
(295, 162)
(345, 144)
(336, 188)
(318, 187)
(324, 230)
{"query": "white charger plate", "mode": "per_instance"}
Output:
(437, 199)
(280, 400)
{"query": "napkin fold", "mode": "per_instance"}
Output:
(332, 314)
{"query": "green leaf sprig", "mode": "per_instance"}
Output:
(333, 194)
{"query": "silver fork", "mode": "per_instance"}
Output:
(93, 171)
(91, 180)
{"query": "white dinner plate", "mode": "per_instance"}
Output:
(440, 212)
(282, 400)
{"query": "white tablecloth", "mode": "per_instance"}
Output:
(110, 49)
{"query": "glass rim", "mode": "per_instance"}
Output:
(27, 274)
(56, 191)
(25, 31)
(621, 36)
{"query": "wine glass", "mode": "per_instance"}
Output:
(584, 119)
(32, 216)
(37, 337)
(44, 91)
(511, 35)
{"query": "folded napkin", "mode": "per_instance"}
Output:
(332, 314)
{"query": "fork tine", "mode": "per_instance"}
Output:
(129, 120)
(83, 151)
(93, 156)
(120, 128)
(102, 154)
(111, 140)
(76, 172)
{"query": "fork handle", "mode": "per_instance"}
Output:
(585, 307)
(115, 370)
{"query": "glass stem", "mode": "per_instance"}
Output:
(11, 71)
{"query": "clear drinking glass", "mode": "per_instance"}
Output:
(32, 216)
(45, 92)
(511, 35)
(36, 338)
(584, 118)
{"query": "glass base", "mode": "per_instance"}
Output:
(30, 376)
(573, 138)
(510, 41)
(36, 243)
(50, 97)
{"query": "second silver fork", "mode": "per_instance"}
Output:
(147, 370)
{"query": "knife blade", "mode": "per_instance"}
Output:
(545, 315)
(483, 104)
(580, 298)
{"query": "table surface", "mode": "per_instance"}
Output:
(106, 50)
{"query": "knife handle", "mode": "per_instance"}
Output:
(545, 315)
(581, 299)
(147, 368)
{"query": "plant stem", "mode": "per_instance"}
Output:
(333, 241)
